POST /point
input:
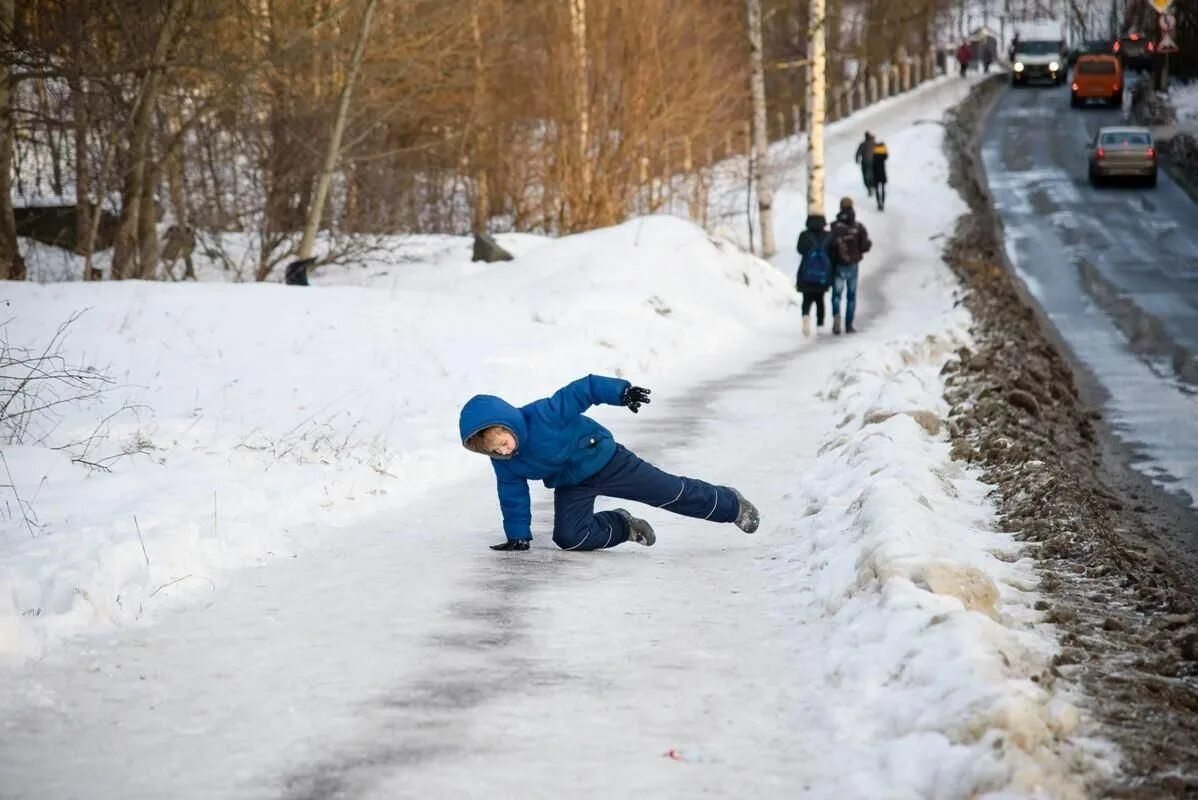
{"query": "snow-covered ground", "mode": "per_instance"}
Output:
(1184, 99)
(305, 605)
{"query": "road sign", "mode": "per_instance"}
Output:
(1167, 44)
(1168, 21)
(1161, 6)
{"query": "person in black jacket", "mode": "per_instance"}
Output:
(815, 269)
(850, 241)
(865, 157)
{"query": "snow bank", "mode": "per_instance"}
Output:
(920, 600)
(257, 417)
(1184, 99)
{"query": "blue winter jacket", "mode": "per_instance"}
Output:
(555, 443)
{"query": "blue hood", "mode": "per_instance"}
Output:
(485, 410)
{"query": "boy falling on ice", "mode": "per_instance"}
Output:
(551, 440)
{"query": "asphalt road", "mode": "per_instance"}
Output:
(1114, 268)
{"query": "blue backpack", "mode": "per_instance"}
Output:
(816, 266)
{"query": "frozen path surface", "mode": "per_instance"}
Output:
(405, 659)
(343, 673)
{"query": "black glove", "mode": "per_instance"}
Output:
(511, 544)
(634, 397)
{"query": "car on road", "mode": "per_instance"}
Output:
(1137, 51)
(1097, 78)
(1040, 60)
(1091, 47)
(1122, 152)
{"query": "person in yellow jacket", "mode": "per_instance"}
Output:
(880, 156)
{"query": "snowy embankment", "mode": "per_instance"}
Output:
(1184, 99)
(876, 638)
(923, 612)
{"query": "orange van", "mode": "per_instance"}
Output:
(1097, 77)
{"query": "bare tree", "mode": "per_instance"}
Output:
(12, 265)
(818, 112)
(137, 191)
(765, 192)
(333, 153)
(578, 40)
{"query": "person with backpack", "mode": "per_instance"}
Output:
(850, 243)
(815, 269)
(865, 157)
(879, 159)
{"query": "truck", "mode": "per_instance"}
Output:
(1038, 52)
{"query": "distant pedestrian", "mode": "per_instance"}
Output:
(879, 159)
(963, 57)
(850, 243)
(815, 269)
(988, 54)
(865, 158)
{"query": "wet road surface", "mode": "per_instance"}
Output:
(1115, 269)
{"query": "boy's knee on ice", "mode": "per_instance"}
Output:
(585, 530)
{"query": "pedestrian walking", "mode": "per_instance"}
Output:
(881, 153)
(553, 441)
(851, 242)
(864, 157)
(815, 269)
(963, 57)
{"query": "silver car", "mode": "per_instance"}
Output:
(1122, 152)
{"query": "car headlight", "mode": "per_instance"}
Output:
(1018, 66)
(1053, 66)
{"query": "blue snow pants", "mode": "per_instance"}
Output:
(576, 526)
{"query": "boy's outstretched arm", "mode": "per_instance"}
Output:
(515, 505)
(576, 397)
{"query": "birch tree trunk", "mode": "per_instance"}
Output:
(12, 265)
(818, 113)
(578, 33)
(480, 211)
(316, 209)
(761, 142)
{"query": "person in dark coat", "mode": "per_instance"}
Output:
(881, 153)
(851, 243)
(865, 158)
(551, 440)
(815, 269)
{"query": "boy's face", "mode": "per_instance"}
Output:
(499, 441)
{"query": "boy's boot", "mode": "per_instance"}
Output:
(836, 324)
(806, 326)
(747, 518)
(639, 530)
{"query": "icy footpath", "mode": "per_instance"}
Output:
(876, 638)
